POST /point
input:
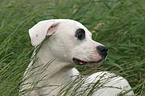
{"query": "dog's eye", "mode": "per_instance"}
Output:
(80, 34)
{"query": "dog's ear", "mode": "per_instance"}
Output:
(39, 31)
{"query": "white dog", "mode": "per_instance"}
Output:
(69, 45)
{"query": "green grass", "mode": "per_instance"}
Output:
(122, 31)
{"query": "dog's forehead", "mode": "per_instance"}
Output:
(72, 25)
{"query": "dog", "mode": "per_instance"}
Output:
(64, 44)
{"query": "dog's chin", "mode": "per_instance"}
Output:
(81, 62)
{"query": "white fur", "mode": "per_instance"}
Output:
(59, 50)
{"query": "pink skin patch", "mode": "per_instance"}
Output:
(81, 63)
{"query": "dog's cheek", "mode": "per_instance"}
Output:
(61, 50)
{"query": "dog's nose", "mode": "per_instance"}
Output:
(102, 50)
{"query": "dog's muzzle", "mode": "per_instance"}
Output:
(102, 50)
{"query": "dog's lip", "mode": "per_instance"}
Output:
(81, 62)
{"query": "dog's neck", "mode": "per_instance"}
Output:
(55, 67)
(50, 70)
(56, 73)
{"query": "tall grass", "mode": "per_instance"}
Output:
(121, 28)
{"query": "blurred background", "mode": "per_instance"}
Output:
(118, 24)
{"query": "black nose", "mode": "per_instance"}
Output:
(102, 51)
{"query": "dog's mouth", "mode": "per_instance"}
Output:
(80, 62)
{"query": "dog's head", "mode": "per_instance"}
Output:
(70, 41)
